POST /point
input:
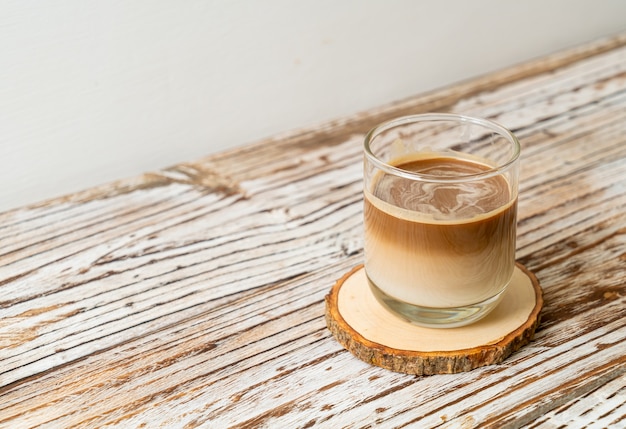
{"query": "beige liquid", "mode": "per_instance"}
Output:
(440, 245)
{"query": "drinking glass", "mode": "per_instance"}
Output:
(440, 207)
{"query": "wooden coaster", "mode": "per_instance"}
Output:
(373, 334)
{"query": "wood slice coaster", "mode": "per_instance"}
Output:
(373, 334)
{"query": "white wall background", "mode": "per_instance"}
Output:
(92, 91)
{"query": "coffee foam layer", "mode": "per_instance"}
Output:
(442, 200)
(431, 201)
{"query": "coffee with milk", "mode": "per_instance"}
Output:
(439, 244)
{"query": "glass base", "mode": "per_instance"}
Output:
(450, 317)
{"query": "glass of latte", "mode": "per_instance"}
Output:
(440, 206)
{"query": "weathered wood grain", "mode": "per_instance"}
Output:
(601, 407)
(194, 296)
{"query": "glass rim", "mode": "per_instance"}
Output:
(450, 117)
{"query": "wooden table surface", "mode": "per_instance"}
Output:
(194, 296)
